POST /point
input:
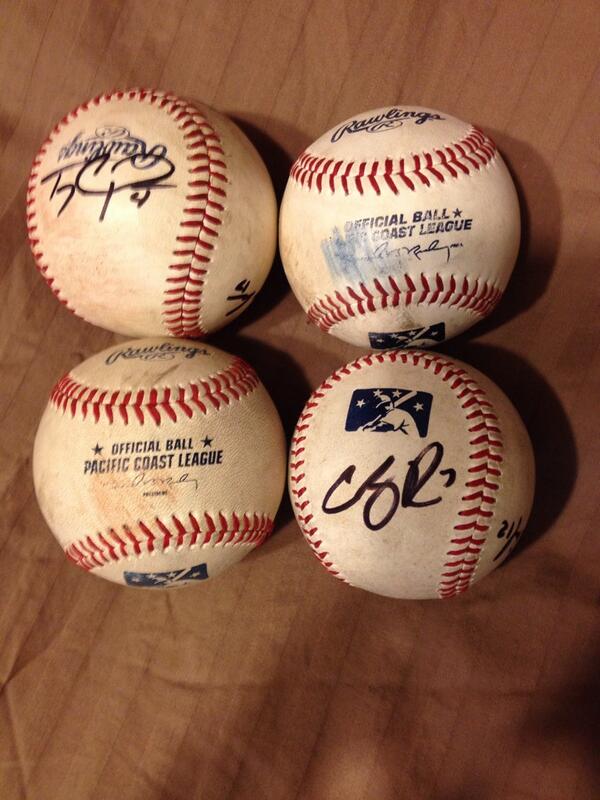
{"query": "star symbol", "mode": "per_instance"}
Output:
(98, 450)
(195, 573)
(207, 441)
(396, 393)
(380, 339)
(360, 403)
(457, 213)
(377, 392)
(418, 406)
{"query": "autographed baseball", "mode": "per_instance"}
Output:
(411, 474)
(399, 228)
(159, 462)
(151, 215)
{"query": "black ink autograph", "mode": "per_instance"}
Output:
(243, 296)
(384, 251)
(103, 177)
(513, 533)
(420, 470)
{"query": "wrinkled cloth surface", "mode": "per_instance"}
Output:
(277, 681)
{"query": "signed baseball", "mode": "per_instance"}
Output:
(151, 215)
(399, 228)
(411, 474)
(159, 462)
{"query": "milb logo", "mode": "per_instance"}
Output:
(165, 579)
(416, 337)
(383, 410)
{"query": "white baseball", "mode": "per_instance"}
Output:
(399, 227)
(159, 462)
(411, 474)
(150, 215)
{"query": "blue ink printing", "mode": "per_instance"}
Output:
(166, 579)
(383, 410)
(415, 337)
(389, 118)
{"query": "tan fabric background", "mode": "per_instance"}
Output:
(276, 681)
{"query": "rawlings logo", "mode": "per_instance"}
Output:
(392, 118)
(161, 352)
(108, 140)
(108, 163)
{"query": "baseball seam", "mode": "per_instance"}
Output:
(158, 536)
(214, 391)
(207, 176)
(477, 297)
(485, 438)
(471, 153)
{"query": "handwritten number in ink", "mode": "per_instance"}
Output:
(511, 532)
(242, 297)
(139, 199)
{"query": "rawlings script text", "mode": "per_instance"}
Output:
(392, 118)
(106, 141)
(159, 352)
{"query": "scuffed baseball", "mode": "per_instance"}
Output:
(151, 215)
(411, 474)
(399, 227)
(159, 462)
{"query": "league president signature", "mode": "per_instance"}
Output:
(383, 250)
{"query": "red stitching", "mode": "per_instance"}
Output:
(159, 536)
(202, 214)
(471, 528)
(474, 151)
(478, 297)
(238, 380)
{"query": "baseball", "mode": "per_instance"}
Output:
(149, 215)
(399, 228)
(159, 462)
(411, 474)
